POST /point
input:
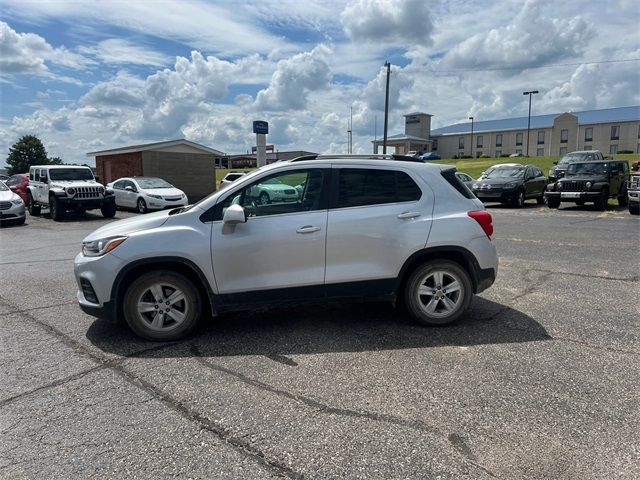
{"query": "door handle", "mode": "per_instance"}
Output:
(308, 229)
(405, 215)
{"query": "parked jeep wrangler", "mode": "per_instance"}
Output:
(590, 182)
(65, 187)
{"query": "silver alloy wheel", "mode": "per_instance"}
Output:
(162, 306)
(440, 293)
(142, 206)
(521, 199)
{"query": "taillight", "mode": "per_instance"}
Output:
(484, 220)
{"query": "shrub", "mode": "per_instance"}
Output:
(485, 156)
(504, 155)
(625, 151)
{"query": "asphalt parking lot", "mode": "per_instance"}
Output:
(540, 380)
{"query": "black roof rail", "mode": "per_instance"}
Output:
(372, 156)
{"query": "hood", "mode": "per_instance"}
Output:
(130, 225)
(498, 181)
(75, 183)
(7, 195)
(163, 192)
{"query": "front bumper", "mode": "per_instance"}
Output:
(86, 203)
(503, 196)
(161, 204)
(95, 277)
(573, 196)
(14, 212)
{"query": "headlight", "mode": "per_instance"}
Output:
(17, 201)
(97, 248)
(559, 185)
(159, 197)
(474, 186)
(71, 191)
(588, 185)
(101, 189)
(511, 185)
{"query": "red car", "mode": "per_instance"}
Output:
(18, 183)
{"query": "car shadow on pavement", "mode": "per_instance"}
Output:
(327, 328)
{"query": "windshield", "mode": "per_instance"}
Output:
(3, 187)
(506, 172)
(588, 168)
(70, 174)
(574, 157)
(153, 183)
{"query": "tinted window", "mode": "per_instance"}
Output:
(71, 174)
(358, 187)
(15, 180)
(119, 185)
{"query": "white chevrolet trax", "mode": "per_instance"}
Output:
(382, 228)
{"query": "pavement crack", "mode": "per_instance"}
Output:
(282, 359)
(38, 308)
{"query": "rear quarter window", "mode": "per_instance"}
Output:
(358, 187)
(450, 177)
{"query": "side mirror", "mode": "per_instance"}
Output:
(97, 178)
(233, 215)
(128, 188)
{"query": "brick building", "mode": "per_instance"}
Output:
(186, 165)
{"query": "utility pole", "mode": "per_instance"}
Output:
(532, 92)
(375, 134)
(386, 109)
(350, 133)
(471, 118)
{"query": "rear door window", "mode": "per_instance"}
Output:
(359, 187)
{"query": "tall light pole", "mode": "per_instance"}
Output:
(386, 109)
(532, 92)
(471, 118)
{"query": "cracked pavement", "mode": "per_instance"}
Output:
(539, 380)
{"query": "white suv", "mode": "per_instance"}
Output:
(379, 228)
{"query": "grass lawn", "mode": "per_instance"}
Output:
(473, 166)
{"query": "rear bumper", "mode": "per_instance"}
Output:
(503, 197)
(485, 278)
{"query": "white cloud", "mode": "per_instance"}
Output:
(122, 51)
(534, 37)
(28, 54)
(123, 90)
(294, 79)
(400, 22)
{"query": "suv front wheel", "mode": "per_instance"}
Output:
(438, 293)
(162, 305)
(56, 209)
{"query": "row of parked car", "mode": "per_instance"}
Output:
(64, 188)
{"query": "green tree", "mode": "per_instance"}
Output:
(27, 151)
(55, 161)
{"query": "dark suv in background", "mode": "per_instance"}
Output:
(591, 182)
(511, 184)
(559, 168)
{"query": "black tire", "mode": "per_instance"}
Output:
(56, 210)
(623, 199)
(426, 276)
(601, 201)
(108, 210)
(540, 200)
(142, 206)
(168, 328)
(21, 221)
(34, 208)
(553, 202)
(634, 209)
(519, 201)
(264, 198)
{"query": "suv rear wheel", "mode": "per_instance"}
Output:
(162, 305)
(438, 292)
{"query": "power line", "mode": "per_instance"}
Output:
(490, 69)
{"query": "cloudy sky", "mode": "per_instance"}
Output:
(91, 75)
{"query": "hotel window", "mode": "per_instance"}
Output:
(540, 152)
(434, 144)
(615, 132)
(613, 149)
(461, 142)
(541, 137)
(563, 151)
(588, 134)
(498, 153)
(519, 138)
(499, 140)
(479, 141)
(564, 136)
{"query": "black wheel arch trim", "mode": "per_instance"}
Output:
(477, 274)
(117, 295)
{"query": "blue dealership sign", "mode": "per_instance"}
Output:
(260, 126)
